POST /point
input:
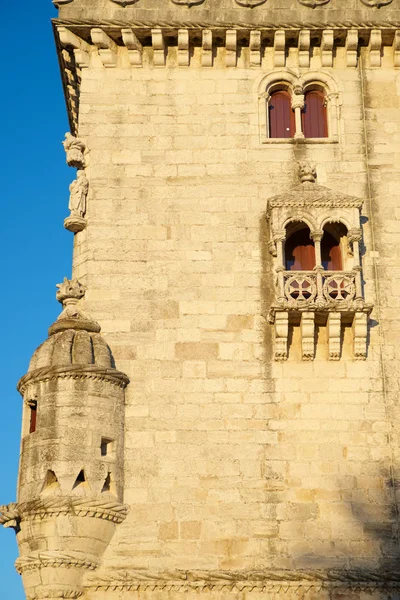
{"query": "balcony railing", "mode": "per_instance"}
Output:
(319, 290)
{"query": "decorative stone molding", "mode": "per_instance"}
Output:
(32, 562)
(237, 581)
(73, 372)
(74, 148)
(51, 593)
(98, 508)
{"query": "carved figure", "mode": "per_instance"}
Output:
(74, 148)
(307, 172)
(78, 193)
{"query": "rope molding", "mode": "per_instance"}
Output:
(229, 25)
(73, 372)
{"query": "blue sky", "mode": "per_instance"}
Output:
(35, 247)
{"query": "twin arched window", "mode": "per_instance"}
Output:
(300, 251)
(282, 122)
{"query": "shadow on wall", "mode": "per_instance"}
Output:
(358, 534)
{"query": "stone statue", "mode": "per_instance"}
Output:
(74, 148)
(78, 192)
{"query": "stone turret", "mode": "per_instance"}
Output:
(70, 487)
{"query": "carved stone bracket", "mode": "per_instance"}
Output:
(376, 3)
(124, 3)
(188, 2)
(74, 148)
(250, 3)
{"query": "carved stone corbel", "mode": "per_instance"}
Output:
(188, 2)
(158, 43)
(304, 48)
(281, 335)
(231, 47)
(206, 48)
(333, 327)
(135, 48)
(280, 48)
(360, 333)
(80, 48)
(250, 3)
(255, 48)
(107, 48)
(307, 329)
(351, 47)
(183, 47)
(327, 48)
(375, 48)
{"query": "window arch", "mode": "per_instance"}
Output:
(281, 121)
(299, 248)
(304, 108)
(314, 118)
(333, 247)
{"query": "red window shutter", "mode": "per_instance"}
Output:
(280, 115)
(314, 118)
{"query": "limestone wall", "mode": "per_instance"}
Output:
(234, 462)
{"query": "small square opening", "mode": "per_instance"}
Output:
(106, 446)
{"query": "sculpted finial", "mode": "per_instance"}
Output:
(74, 148)
(307, 172)
(69, 291)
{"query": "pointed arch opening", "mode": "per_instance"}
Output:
(299, 248)
(334, 247)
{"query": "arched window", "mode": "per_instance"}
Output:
(280, 115)
(299, 250)
(314, 117)
(333, 246)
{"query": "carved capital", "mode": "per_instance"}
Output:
(316, 235)
(354, 235)
(298, 101)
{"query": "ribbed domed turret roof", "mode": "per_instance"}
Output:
(74, 339)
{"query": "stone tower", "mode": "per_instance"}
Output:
(235, 217)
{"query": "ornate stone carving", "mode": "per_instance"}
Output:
(70, 289)
(50, 594)
(74, 148)
(34, 561)
(77, 203)
(376, 3)
(124, 3)
(10, 516)
(188, 2)
(313, 3)
(250, 3)
(307, 172)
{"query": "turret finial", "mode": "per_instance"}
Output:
(307, 172)
(69, 291)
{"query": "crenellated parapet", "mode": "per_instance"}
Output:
(71, 477)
